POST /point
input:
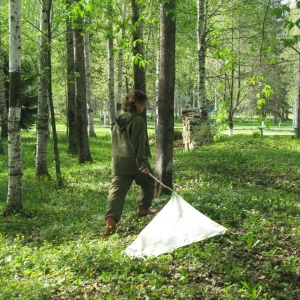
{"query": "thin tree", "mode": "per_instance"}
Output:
(71, 119)
(90, 109)
(298, 101)
(166, 89)
(111, 66)
(120, 64)
(201, 34)
(15, 162)
(84, 154)
(50, 96)
(3, 110)
(1, 147)
(42, 124)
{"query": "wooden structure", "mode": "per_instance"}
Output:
(191, 119)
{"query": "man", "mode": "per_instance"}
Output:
(130, 153)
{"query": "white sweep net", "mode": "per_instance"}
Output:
(176, 225)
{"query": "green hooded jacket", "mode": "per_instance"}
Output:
(130, 147)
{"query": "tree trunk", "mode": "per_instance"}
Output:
(2, 151)
(139, 74)
(42, 130)
(138, 50)
(166, 87)
(298, 102)
(202, 20)
(84, 154)
(153, 73)
(71, 115)
(51, 105)
(3, 108)
(90, 109)
(15, 163)
(120, 66)
(111, 67)
(230, 123)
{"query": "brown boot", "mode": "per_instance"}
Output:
(110, 226)
(144, 212)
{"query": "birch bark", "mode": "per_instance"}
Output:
(120, 65)
(3, 108)
(201, 34)
(111, 67)
(15, 162)
(298, 101)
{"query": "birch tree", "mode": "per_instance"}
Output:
(121, 63)
(42, 125)
(111, 66)
(166, 88)
(201, 35)
(3, 108)
(298, 100)
(15, 163)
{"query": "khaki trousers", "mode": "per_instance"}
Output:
(119, 188)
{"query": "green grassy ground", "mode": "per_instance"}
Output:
(55, 248)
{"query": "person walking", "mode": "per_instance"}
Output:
(130, 153)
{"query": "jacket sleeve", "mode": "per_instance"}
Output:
(138, 138)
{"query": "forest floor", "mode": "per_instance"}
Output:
(55, 248)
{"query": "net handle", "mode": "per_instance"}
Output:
(160, 182)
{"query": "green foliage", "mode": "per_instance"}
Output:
(278, 12)
(282, 12)
(203, 134)
(55, 248)
(29, 94)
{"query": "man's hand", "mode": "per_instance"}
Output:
(145, 170)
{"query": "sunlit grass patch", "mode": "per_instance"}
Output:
(55, 248)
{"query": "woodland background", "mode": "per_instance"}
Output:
(237, 62)
(246, 50)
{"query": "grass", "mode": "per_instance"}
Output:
(55, 249)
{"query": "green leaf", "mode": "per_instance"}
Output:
(286, 8)
(289, 25)
(135, 60)
(291, 42)
(137, 41)
(273, 61)
(277, 12)
(267, 90)
(260, 103)
(142, 64)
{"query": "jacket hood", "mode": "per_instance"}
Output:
(123, 120)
